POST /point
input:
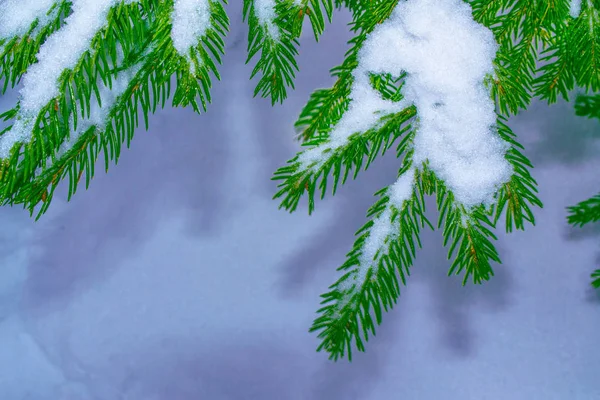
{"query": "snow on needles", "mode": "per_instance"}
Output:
(62, 50)
(265, 12)
(98, 116)
(16, 16)
(446, 55)
(191, 19)
(382, 231)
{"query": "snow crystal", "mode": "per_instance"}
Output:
(16, 16)
(191, 19)
(265, 12)
(62, 50)
(446, 56)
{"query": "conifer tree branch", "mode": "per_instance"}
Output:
(577, 46)
(274, 29)
(596, 279)
(299, 177)
(588, 210)
(384, 250)
(585, 50)
(18, 53)
(466, 228)
(293, 18)
(278, 51)
(469, 236)
(585, 212)
(520, 190)
(326, 106)
(587, 106)
(133, 51)
(142, 43)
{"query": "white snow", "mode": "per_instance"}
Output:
(447, 56)
(365, 108)
(402, 189)
(575, 8)
(62, 50)
(16, 16)
(191, 19)
(265, 12)
(383, 227)
(99, 115)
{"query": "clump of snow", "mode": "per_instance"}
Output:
(265, 12)
(446, 55)
(575, 8)
(62, 50)
(191, 19)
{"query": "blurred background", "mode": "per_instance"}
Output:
(176, 277)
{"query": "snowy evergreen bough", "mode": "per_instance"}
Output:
(436, 79)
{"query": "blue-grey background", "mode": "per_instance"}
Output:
(176, 277)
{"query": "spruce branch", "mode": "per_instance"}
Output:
(558, 76)
(469, 236)
(587, 106)
(585, 52)
(65, 140)
(274, 29)
(323, 109)
(588, 210)
(278, 50)
(520, 190)
(298, 177)
(326, 106)
(596, 279)
(385, 249)
(585, 212)
(19, 52)
(130, 61)
(467, 229)
(577, 46)
(311, 8)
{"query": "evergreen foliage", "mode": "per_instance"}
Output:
(137, 40)
(588, 210)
